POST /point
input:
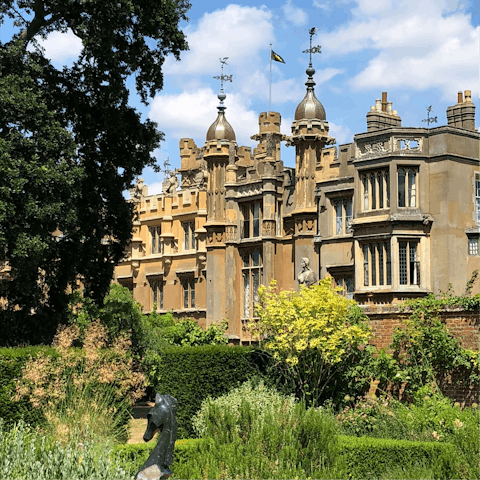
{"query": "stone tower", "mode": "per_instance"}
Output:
(309, 136)
(219, 154)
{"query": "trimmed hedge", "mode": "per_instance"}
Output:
(368, 457)
(191, 374)
(131, 457)
(365, 458)
(12, 361)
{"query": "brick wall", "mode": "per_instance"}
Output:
(464, 325)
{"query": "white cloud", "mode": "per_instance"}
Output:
(418, 46)
(155, 188)
(190, 114)
(324, 6)
(294, 14)
(341, 133)
(236, 32)
(61, 46)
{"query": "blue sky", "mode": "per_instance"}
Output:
(422, 52)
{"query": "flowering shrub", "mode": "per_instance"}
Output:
(80, 388)
(310, 332)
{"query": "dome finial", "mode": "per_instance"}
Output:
(310, 107)
(228, 78)
(221, 129)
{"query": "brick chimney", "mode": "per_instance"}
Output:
(382, 115)
(462, 115)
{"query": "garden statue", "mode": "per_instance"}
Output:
(307, 276)
(161, 417)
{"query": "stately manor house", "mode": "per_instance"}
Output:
(393, 215)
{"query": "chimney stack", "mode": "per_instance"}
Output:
(462, 115)
(382, 115)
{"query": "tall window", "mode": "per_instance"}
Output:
(252, 216)
(343, 215)
(156, 245)
(375, 189)
(188, 235)
(188, 286)
(252, 277)
(409, 264)
(377, 266)
(347, 284)
(156, 285)
(407, 187)
(473, 245)
(477, 197)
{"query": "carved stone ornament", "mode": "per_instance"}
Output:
(247, 190)
(231, 233)
(268, 228)
(407, 144)
(371, 149)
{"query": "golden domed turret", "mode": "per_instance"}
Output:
(310, 107)
(220, 129)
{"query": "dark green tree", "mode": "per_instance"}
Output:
(70, 145)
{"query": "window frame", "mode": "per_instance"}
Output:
(377, 263)
(375, 189)
(342, 224)
(410, 190)
(187, 283)
(341, 281)
(157, 290)
(189, 242)
(476, 193)
(412, 278)
(250, 290)
(473, 240)
(156, 243)
(249, 220)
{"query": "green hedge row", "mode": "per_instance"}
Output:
(365, 458)
(12, 361)
(371, 457)
(191, 374)
(132, 456)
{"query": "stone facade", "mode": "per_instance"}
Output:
(393, 215)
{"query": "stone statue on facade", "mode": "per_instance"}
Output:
(161, 417)
(170, 184)
(201, 178)
(307, 276)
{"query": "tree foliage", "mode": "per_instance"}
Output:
(70, 145)
(309, 332)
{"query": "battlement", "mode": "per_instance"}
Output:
(269, 122)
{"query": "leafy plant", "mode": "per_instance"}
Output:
(82, 389)
(310, 333)
(27, 454)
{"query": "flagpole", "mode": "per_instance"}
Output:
(270, 94)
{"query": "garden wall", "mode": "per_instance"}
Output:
(463, 325)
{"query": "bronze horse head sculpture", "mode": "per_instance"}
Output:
(161, 417)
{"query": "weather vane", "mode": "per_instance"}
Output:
(429, 120)
(316, 49)
(222, 77)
